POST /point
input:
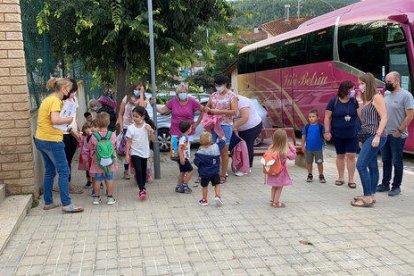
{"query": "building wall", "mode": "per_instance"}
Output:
(16, 147)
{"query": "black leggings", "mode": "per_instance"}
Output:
(71, 145)
(249, 136)
(140, 165)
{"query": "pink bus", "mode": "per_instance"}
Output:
(294, 72)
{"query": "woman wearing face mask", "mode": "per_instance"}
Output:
(49, 141)
(341, 125)
(133, 99)
(223, 102)
(72, 137)
(372, 137)
(182, 108)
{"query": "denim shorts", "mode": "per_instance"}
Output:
(103, 176)
(227, 130)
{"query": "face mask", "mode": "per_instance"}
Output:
(362, 88)
(182, 96)
(95, 109)
(389, 87)
(351, 94)
(136, 93)
(220, 89)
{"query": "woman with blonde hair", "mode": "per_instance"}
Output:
(49, 141)
(371, 137)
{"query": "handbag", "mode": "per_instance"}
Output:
(121, 142)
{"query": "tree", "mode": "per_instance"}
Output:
(111, 36)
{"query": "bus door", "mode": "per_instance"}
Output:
(286, 97)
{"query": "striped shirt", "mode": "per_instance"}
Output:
(370, 119)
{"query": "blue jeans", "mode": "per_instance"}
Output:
(392, 154)
(367, 165)
(54, 159)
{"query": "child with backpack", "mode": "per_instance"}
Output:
(138, 136)
(312, 145)
(102, 150)
(275, 167)
(180, 152)
(84, 157)
(207, 159)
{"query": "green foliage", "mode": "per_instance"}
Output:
(256, 12)
(111, 37)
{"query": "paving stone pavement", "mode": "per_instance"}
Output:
(170, 234)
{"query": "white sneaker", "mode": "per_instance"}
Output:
(218, 201)
(238, 173)
(111, 200)
(96, 200)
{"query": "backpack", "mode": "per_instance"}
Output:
(104, 151)
(271, 163)
(175, 140)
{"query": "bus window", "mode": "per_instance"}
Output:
(268, 57)
(363, 46)
(247, 62)
(395, 34)
(398, 62)
(320, 45)
(294, 52)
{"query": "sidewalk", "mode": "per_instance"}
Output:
(170, 234)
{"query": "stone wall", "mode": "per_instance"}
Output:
(16, 148)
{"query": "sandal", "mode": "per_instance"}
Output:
(352, 185)
(198, 180)
(339, 182)
(278, 205)
(75, 190)
(360, 197)
(51, 206)
(223, 179)
(72, 209)
(362, 203)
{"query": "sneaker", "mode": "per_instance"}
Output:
(180, 189)
(126, 175)
(322, 179)
(142, 195)
(218, 201)
(238, 173)
(97, 200)
(394, 191)
(383, 188)
(310, 178)
(88, 184)
(203, 202)
(187, 189)
(111, 200)
(102, 186)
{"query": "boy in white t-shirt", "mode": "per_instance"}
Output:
(186, 170)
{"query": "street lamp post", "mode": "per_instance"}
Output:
(157, 171)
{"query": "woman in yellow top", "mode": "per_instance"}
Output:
(49, 141)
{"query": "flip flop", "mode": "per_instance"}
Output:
(360, 197)
(75, 190)
(223, 179)
(51, 206)
(339, 182)
(72, 209)
(352, 185)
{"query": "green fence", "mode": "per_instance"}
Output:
(41, 64)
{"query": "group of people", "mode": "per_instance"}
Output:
(366, 122)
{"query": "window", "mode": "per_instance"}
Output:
(268, 57)
(363, 46)
(320, 45)
(293, 52)
(247, 62)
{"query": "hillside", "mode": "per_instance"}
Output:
(256, 12)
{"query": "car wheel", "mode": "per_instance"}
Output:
(164, 139)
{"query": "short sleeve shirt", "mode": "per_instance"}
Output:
(45, 130)
(180, 112)
(314, 140)
(254, 118)
(221, 102)
(140, 141)
(184, 145)
(344, 122)
(396, 104)
(129, 106)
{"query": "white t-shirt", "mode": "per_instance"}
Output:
(140, 141)
(254, 118)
